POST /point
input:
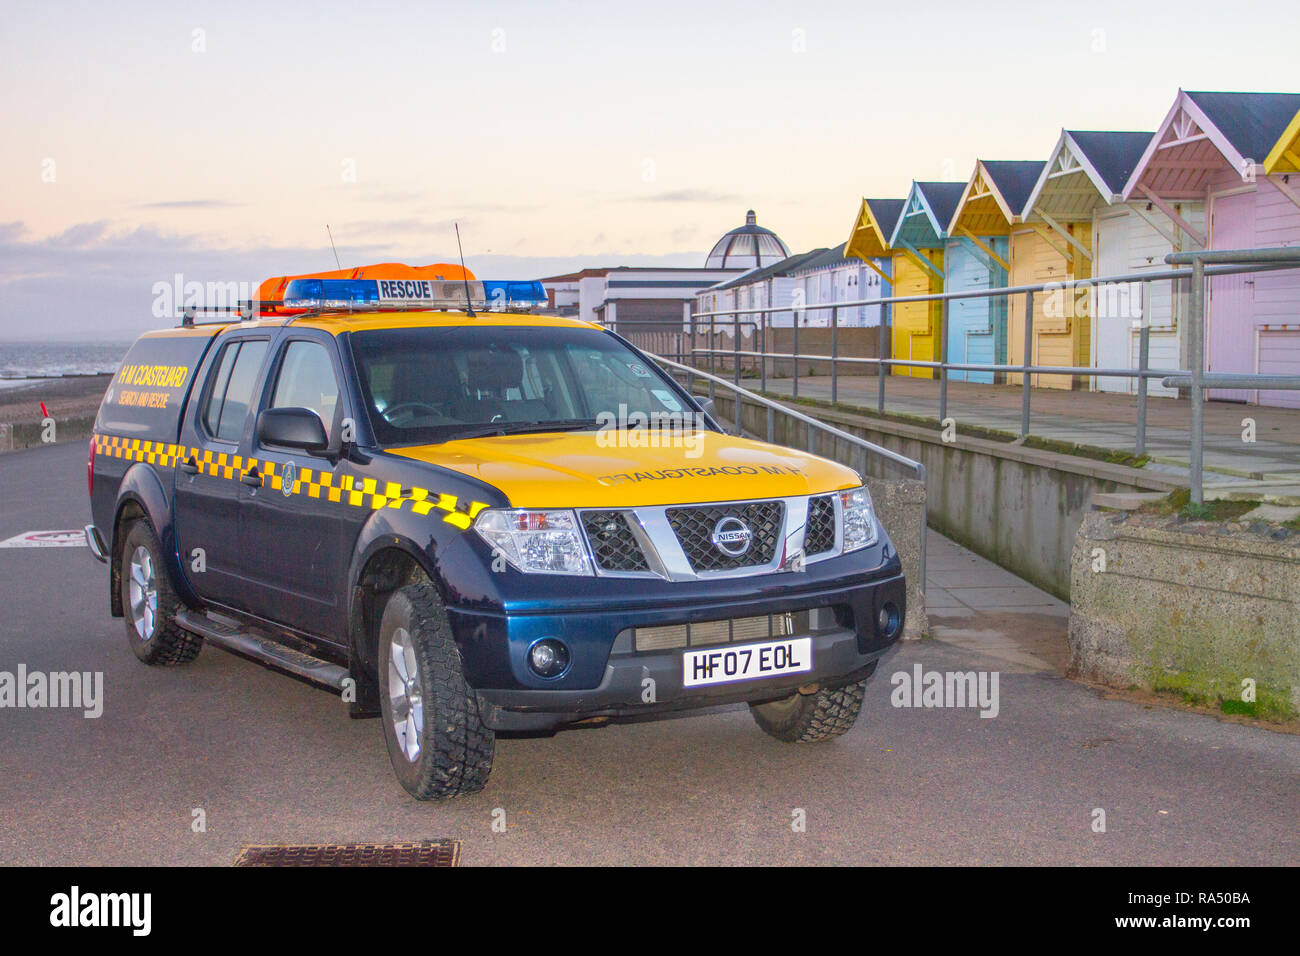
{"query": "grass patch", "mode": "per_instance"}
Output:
(1179, 502)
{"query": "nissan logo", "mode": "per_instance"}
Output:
(732, 536)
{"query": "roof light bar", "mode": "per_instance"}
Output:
(372, 295)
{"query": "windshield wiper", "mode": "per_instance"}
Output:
(523, 428)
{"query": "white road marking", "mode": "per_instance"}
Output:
(46, 539)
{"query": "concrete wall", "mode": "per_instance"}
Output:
(28, 434)
(1189, 612)
(1019, 507)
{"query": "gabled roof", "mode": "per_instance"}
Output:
(776, 269)
(873, 227)
(1087, 169)
(1284, 157)
(1203, 132)
(995, 195)
(823, 259)
(926, 213)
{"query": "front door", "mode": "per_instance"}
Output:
(296, 527)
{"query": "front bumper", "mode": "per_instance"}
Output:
(610, 678)
(645, 684)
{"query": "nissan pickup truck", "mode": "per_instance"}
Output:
(470, 522)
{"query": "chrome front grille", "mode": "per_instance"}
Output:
(613, 544)
(729, 631)
(696, 529)
(820, 535)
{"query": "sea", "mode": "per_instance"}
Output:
(25, 362)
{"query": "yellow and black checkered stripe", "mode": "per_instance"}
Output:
(347, 490)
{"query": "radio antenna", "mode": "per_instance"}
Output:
(336, 252)
(469, 306)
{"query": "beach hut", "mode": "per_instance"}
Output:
(976, 257)
(1078, 199)
(916, 247)
(869, 241)
(1212, 149)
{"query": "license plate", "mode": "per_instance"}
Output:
(723, 665)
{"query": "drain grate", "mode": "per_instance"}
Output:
(425, 853)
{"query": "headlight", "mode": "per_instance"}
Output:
(859, 517)
(547, 542)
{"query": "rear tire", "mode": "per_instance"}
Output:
(149, 604)
(807, 718)
(436, 740)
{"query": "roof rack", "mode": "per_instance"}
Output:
(246, 311)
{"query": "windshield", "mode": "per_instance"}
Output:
(430, 385)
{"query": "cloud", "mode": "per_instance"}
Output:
(686, 195)
(190, 204)
(95, 283)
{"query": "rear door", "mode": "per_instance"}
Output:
(209, 469)
(297, 527)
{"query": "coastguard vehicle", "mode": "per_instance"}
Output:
(468, 521)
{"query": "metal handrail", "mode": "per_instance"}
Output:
(1194, 266)
(916, 467)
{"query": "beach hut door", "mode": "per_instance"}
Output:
(1230, 337)
(1115, 309)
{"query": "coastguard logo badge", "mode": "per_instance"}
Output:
(287, 478)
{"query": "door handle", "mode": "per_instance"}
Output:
(252, 478)
(190, 466)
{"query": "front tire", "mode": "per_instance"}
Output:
(436, 741)
(807, 718)
(149, 604)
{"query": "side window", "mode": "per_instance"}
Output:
(307, 381)
(227, 407)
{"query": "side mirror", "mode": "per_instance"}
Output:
(292, 428)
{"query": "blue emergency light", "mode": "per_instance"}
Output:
(367, 295)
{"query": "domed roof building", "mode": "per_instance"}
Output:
(747, 247)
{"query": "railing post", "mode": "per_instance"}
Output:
(1029, 360)
(943, 361)
(1144, 362)
(771, 424)
(713, 342)
(794, 350)
(881, 368)
(736, 349)
(1196, 332)
(835, 351)
(762, 354)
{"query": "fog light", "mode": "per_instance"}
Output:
(887, 621)
(548, 658)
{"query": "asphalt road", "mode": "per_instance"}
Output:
(270, 760)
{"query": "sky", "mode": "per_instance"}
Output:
(215, 141)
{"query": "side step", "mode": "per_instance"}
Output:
(265, 651)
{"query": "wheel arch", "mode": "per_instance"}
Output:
(141, 495)
(388, 562)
